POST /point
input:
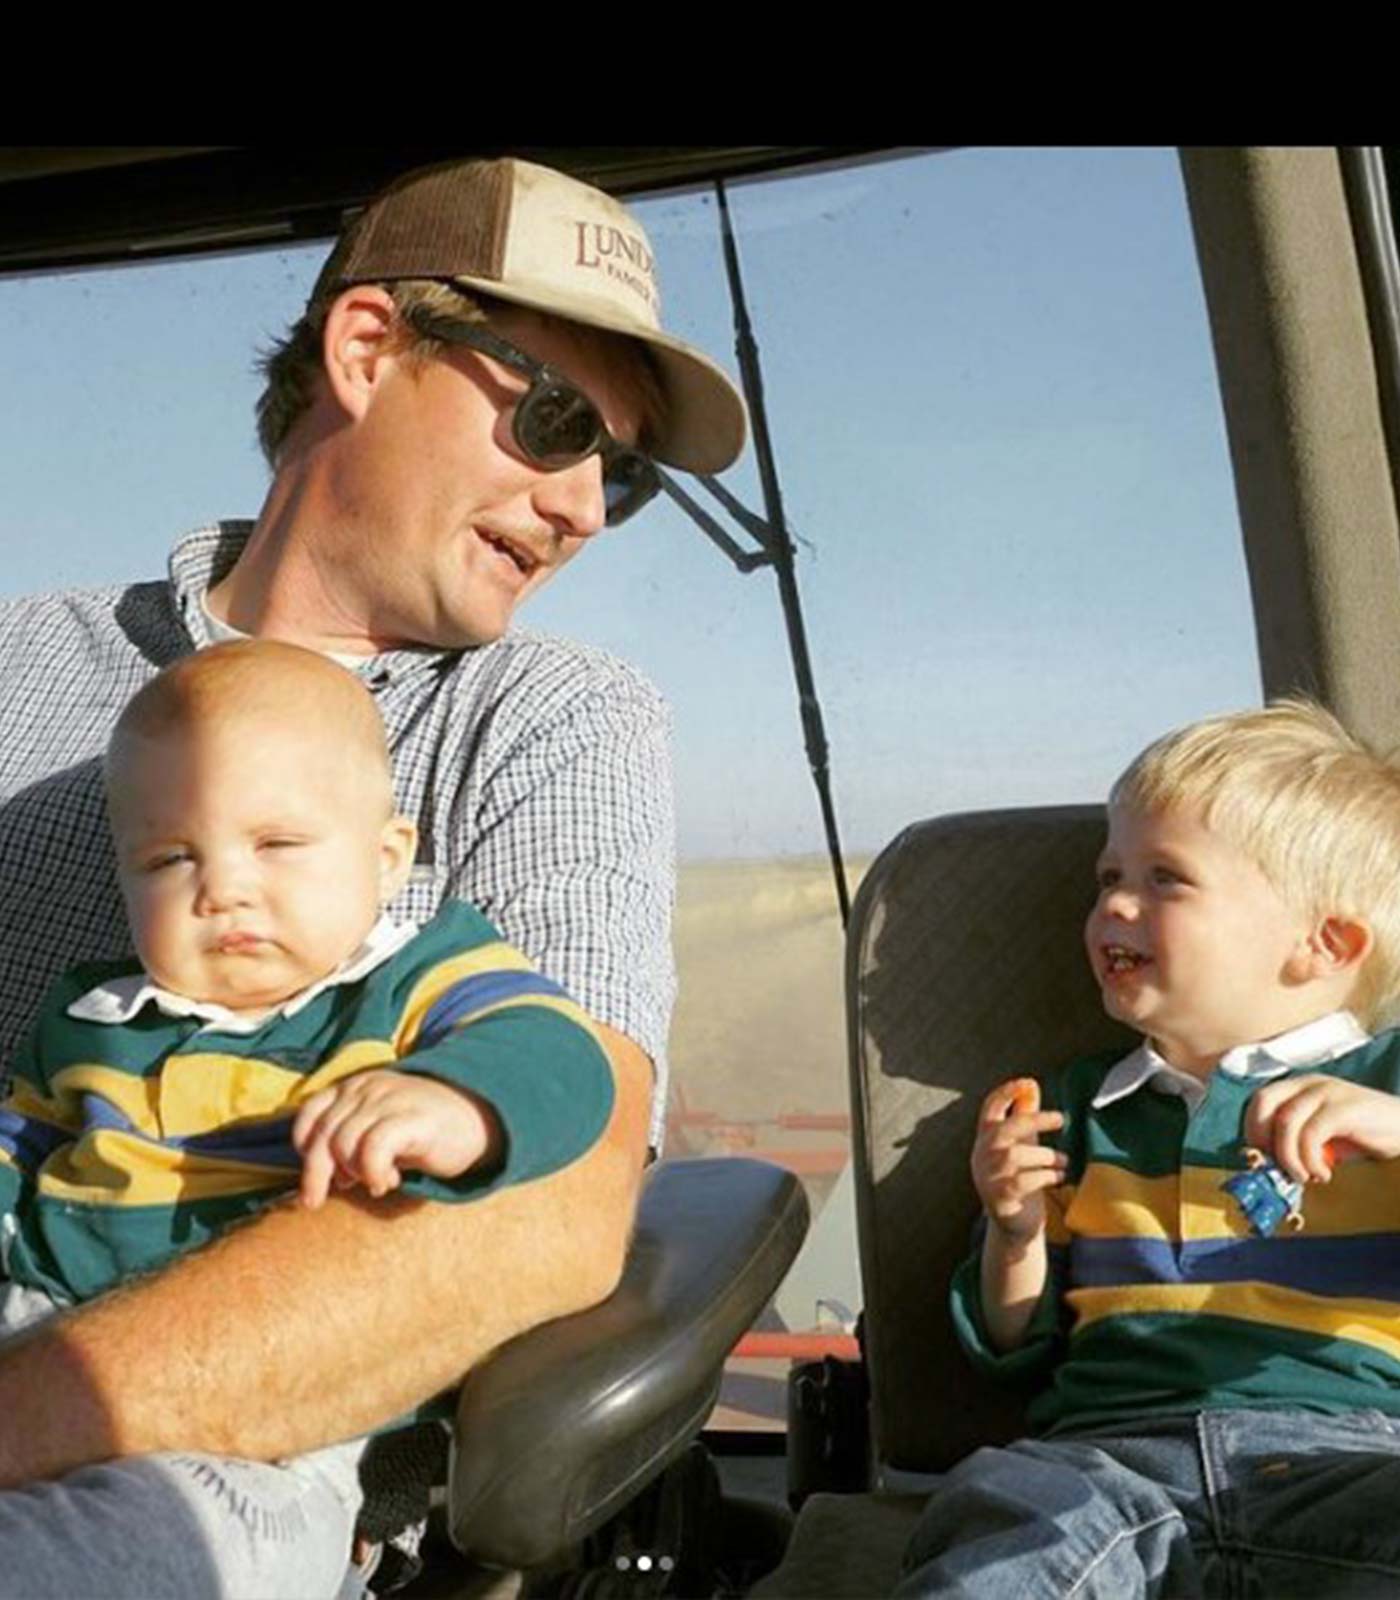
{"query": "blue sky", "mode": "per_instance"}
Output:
(998, 432)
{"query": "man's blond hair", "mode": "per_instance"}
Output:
(1315, 809)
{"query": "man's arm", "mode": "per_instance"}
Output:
(567, 844)
(304, 1327)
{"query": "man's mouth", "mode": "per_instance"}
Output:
(526, 562)
(1119, 958)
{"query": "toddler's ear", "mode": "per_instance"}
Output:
(397, 846)
(1342, 945)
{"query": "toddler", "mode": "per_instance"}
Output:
(1218, 1409)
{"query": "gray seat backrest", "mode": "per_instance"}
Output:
(965, 965)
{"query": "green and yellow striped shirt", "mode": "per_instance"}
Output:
(1162, 1299)
(125, 1144)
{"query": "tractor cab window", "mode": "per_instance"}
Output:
(999, 445)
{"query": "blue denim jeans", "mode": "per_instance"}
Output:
(178, 1526)
(1248, 1505)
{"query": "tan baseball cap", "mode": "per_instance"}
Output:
(533, 236)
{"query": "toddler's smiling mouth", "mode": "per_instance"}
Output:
(1119, 958)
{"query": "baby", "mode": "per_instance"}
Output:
(1220, 1403)
(276, 1031)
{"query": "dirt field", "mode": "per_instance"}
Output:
(760, 1033)
(759, 1027)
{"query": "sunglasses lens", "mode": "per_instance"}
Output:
(629, 481)
(557, 424)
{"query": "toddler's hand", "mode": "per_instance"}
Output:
(369, 1128)
(1309, 1123)
(1010, 1167)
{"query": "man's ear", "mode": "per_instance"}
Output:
(355, 341)
(397, 846)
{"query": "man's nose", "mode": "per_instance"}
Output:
(572, 499)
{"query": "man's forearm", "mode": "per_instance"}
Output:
(310, 1326)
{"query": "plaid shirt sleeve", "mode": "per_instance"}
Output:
(567, 838)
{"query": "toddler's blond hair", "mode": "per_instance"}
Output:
(1312, 806)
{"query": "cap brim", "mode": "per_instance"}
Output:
(706, 423)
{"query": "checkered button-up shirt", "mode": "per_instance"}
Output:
(537, 771)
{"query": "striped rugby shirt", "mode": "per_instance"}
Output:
(1161, 1299)
(538, 773)
(129, 1141)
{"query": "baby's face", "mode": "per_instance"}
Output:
(252, 861)
(1190, 942)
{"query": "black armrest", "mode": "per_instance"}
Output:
(565, 1425)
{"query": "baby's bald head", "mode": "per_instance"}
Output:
(251, 804)
(241, 687)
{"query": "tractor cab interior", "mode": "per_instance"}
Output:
(575, 1470)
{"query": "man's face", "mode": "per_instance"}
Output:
(443, 527)
(251, 860)
(1190, 942)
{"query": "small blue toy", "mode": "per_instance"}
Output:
(1268, 1197)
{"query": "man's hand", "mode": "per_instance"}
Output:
(1309, 1123)
(374, 1126)
(1010, 1167)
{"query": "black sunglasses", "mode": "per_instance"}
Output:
(555, 424)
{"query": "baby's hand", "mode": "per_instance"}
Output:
(370, 1128)
(1308, 1124)
(1010, 1167)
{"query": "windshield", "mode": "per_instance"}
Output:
(1001, 450)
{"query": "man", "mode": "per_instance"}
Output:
(477, 387)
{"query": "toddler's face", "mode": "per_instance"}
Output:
(251, 859)
(1190, 942)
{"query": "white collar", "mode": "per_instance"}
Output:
(1310, 1045)
(121, 998)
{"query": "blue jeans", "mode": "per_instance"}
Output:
(179, 1526)
(1248, 1505)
